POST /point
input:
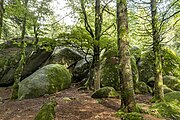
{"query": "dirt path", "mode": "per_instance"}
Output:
(72, 105)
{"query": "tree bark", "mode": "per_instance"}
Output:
(158, 93)
(1, 16)
(128, 103)
(19, 70)
(94, 77)
(96, 58)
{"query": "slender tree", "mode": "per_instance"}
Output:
(20, 67)
(1, 16)
(98, 24)
(95, 66)
(158, 93)
(128, 103)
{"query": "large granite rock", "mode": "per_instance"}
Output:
(48, 79)
(65, 56)
(81, 69)
(9, 60)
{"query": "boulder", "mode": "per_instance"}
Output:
(64, 56)
(105, 92)
(172, 82)
(9, 60)
(81, 69)
(142, 88)
(35, 61)
(46, 80)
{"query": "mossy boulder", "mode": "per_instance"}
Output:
(172, 82)
(47, 111)
(142, 88)
(168, 110)
(175, 95)
(105, 92)
(48, 79)
(64, 56)
(34, 61)
(9, 59)
(129, 116)
(167, 89)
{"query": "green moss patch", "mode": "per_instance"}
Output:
(167, 110)
(129, 116)
(172, 82)
(105, 92)
(142, 88)
(47, 111)
(175, 95)
(59, 78)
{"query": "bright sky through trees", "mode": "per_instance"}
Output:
(62, 12)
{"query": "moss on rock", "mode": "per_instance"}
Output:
(142, 88)
(105, 92)
(47, 111)
(49, 79)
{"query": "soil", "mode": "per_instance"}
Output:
(72, 104)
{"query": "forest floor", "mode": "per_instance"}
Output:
(72, 104)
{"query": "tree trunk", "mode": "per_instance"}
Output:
(158, 93)
(128, 103)
(1, 16)
(19, 70)
(94, 77)
(96, 45)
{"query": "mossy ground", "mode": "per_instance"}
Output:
(175, 95)
(129, 116)
(47, 111)
(168, 110)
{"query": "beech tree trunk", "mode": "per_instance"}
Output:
(94, 78)
(128, 103)
(158, 93)
(1, 16)
(96, 58)
(19, 70)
